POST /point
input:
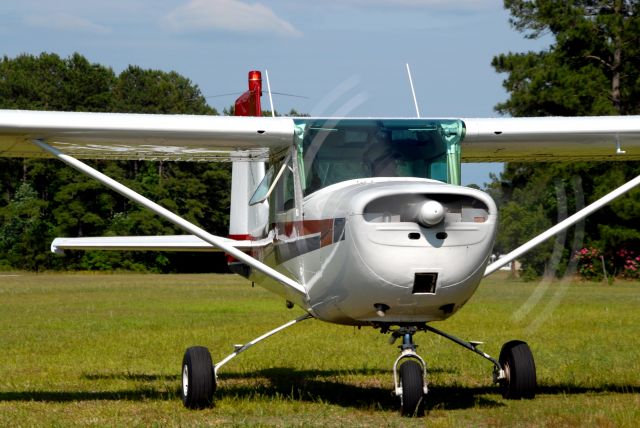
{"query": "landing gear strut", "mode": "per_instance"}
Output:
(515, 371)
(199, 375)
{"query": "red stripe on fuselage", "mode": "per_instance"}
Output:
(241, 237)
(302, 228)
(230, 258)
(295, 238)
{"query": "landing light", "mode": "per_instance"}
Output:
(430, 213)
(381, 309)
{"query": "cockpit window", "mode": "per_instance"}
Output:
(336, 150)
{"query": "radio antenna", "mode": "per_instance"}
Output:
(273, 112)
(413, 92)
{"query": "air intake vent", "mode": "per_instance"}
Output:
(425, 282)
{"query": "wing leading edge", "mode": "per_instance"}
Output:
(130, 136)
(536, 139)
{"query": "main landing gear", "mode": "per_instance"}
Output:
(515, 371)
(199, 375)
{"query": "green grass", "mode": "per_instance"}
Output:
(106, 350)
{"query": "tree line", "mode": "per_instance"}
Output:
(592, 67)
(41, 199)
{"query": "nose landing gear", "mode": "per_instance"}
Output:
(409, 374)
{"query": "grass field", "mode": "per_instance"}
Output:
(106, 350)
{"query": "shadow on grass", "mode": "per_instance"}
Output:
(318, 386)
(306, 385)
(142, 377)
(286, 371)
(67, 396)
(571, 389)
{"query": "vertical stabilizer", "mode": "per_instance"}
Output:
(246, 221)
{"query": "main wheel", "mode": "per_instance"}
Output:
(517, 362)
(198, 378)
(411, 380)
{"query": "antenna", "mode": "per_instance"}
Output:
(273, 112)
(413, 92)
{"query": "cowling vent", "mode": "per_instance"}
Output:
(424, 282)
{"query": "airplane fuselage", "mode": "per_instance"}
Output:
(364, 258)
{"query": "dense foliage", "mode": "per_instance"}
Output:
(592, 67)
(42, 199)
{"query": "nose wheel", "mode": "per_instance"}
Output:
(412, 384)
(409, 374)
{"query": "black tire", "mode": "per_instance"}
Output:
(411, 380)
(516, 360)
(198, 378)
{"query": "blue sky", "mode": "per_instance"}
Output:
(346, 56)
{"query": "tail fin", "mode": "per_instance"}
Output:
(247, 221)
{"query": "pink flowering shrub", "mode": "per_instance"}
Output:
(624, 264)
(629, 264)
(589, 264)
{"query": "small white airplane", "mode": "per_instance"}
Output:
(358, 221)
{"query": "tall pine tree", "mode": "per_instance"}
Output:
(592, 67)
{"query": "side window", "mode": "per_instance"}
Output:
(262, 191)
(283, 195)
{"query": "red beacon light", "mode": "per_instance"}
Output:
(248, 104)
(255, 81)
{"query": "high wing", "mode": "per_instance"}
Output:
(142, 136)
(536, 139)
(210, 138)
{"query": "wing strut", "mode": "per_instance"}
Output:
(173, 218)
(565, 224)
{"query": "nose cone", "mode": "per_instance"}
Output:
(430, 213)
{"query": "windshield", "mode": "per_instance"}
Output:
(335, 150)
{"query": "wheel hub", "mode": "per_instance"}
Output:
(185, 380)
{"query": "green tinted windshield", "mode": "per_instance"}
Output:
(335, 150)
